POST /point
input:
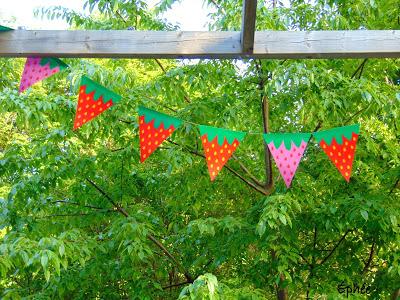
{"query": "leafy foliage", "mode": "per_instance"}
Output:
(81, 218)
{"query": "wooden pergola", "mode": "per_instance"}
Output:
(246, 43)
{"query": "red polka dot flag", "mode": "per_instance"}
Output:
(287, 150)
(93, 100)
(37, 69)
(154, 128)
(340, 146)
(219, 145)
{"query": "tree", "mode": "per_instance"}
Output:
(82, 218)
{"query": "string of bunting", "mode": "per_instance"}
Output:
(287, 149)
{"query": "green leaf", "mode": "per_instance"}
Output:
(364, 214)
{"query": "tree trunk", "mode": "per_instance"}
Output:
(396, 294)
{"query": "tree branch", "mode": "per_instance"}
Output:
(76, 203)
(249, 183)
(149, 236)
(360, 68)
(368, 263)
(334, 248)
(176, 285)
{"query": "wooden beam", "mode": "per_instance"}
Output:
(168, 44)
(248, 25)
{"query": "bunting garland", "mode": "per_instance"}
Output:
(5, 28)
(287, 150)
(93, 100)
(219, 145)
(37, 69)
(340, 146)
(154, 128)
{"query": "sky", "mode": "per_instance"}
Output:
(189, 14)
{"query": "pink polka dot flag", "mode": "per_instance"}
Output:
(287, 150)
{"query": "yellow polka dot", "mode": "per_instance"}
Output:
(347, 174)
(156, 134)
(330, 153)
(212, 145)
(324, 146)
(354, 139)
(229, 151)
(149, 143)
(234, 145)
(223, 159)
(148, 127)
(213, 173)
(336, 161)
(94, 106)
(207, 150)
(215, 152)
(87, 98)
(161, 129)
(92, 114)
(204, 140)
(80, 108)
(349, 156)
(221, 151)
(141, 121)
(142, 131)
(343, 160)
(148, 151)
(79, 116)
(225, 146)
(341, 167)
(216, 160)
(351, 147)
(344, 149)
(149, 136)
(85, 113)
(170, 130)
(87, 105)
(144, 147)
(142, 140)
(218, 168)
(208, 158)
(340, 154)
(156, 142)
(348, 167)
(163, 136)
(84, 120)
(346, 143)
(212, 166)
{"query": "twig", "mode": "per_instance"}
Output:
(360, 68)
(176, 285)
(76, 203)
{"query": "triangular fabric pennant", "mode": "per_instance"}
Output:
(154, 128)
(5, 28)
(219, 145)
(287, 149)
(340, 146)
(38, 68)
(93, 100)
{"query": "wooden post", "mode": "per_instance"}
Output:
(248, 25)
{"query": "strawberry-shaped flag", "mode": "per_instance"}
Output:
(340, 146)
(287, 150)
(4, 28)
(37, 69)
(154, 128)
(219, 145)
(93, 100)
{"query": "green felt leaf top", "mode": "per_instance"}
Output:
(4, 28)
(158, 118)
(287, 139)
(221, 134)
(99, 90)
(338, 133)
(54, 62)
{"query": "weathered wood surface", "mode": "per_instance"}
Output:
(156, 44)
(248, 26)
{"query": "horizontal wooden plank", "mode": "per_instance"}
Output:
(157, 44)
